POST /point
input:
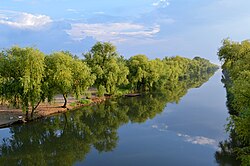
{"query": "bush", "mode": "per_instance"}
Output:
(85, 101)
(101, 91)
(121, 92)
(73, 104)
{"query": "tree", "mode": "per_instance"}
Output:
(236, 69)
(22, 72)
(138, 72)
(106, 65)
(66, 75)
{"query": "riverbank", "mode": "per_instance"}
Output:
(10, 116)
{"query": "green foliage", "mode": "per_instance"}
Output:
(101, 91)
(142, 73)
(28, 77)
(121, 92)
(73, 104)
(107, 66)
(67, 75)
(59, 73)
(22, 73)
(148, 75)
(85, 101)
(236, 69)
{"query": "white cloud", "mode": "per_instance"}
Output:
(161, 3)
(200, 140)
(72, 10)
(23, 20)
(114, 32)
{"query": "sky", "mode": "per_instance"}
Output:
(156, 28)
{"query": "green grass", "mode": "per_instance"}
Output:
(85, 101)
(73, 104)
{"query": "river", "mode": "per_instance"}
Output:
(141, 131)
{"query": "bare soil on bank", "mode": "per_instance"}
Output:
(9, 116)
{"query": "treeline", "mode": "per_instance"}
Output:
(29, 77)
(236, 78)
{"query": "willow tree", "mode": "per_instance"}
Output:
(144, 73)
(66, 75)
(109, 70)
(22, 72)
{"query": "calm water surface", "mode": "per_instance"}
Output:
(148, 130)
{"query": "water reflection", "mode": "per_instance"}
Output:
(201, 140)
(226, 155)
(69, 137)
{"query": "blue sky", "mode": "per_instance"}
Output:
(157, 28)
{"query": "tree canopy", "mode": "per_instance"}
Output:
(22, 73)
(236, 77)
(67, 75)
(28, 76)
(106, 65)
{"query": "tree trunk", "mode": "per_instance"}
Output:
(34, 108)
(65, 101)
(27, 115)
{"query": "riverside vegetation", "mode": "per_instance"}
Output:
(236, 78)
(29, 77)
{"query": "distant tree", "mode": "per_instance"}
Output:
(145, 74)
(106, 64)
(138, 72)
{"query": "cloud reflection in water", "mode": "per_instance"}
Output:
(199, 140)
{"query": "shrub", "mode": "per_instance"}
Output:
(85, 101)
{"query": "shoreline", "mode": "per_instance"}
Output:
(13, 116)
